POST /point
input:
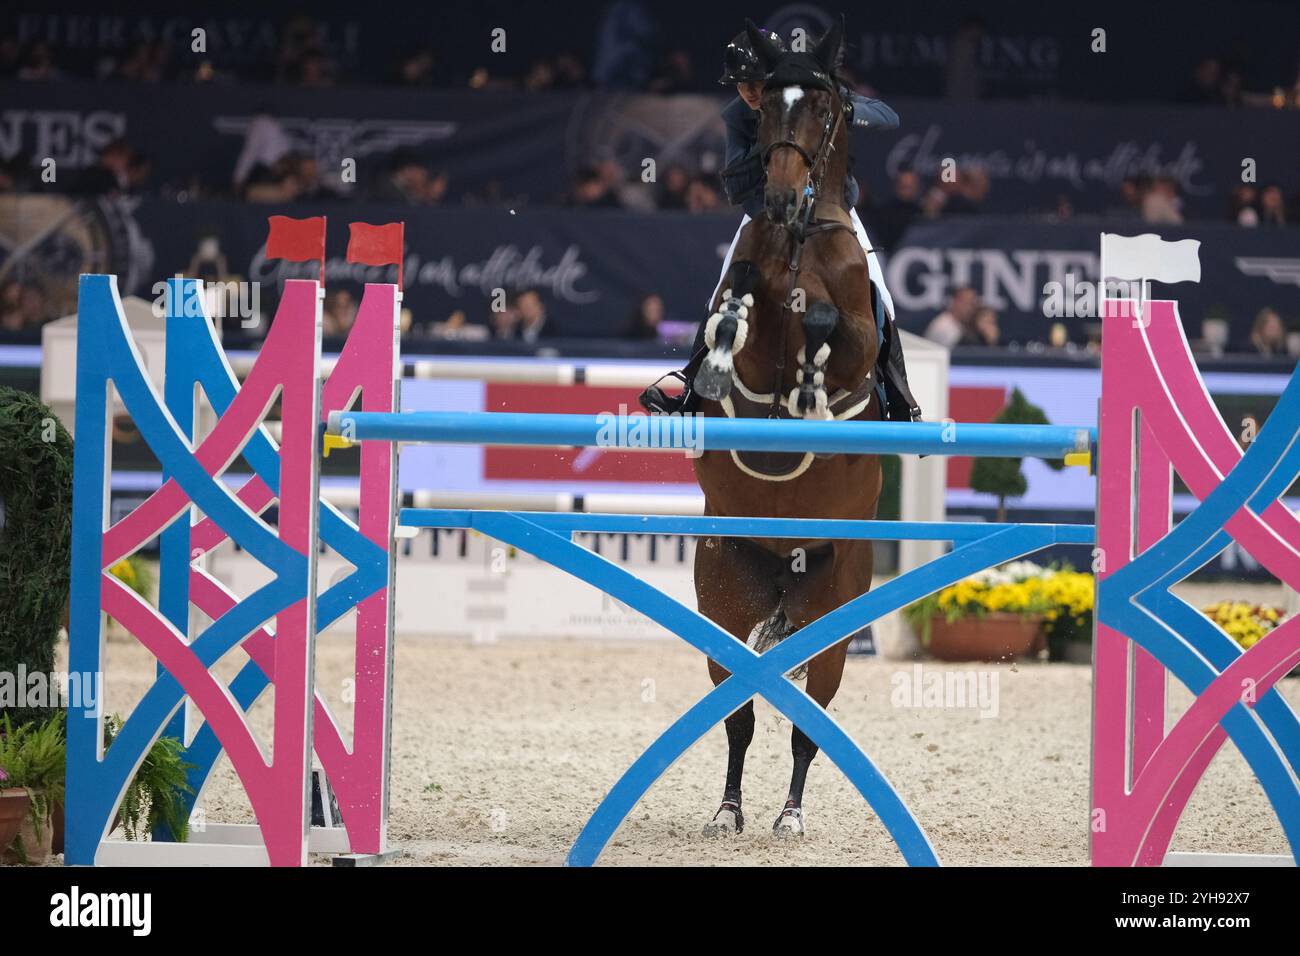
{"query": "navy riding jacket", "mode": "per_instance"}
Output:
(743, 175)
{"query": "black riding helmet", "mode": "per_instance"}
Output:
(739, 61)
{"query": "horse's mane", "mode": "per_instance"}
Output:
(804, 69)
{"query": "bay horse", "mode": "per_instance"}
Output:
(792, 335)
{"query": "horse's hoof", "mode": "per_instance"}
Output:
(726, 821)
(789, 824)
(713, 381)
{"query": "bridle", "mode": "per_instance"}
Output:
(802, 228)
(818, 162)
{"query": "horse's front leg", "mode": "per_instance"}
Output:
(853, 350)
(725, 333)
(808, 399)
(834, 351)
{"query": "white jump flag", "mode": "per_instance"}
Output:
(1147, 257)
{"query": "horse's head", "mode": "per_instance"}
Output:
(800, 120)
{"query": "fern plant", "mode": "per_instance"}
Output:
(156, 796)
(34, 756)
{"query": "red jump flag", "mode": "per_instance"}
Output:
(298, 240)
(377, 245)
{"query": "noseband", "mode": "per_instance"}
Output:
(830, 130)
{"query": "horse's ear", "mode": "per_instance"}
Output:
(830, 51)
(768, 52)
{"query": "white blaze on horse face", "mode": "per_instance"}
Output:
(792, 95)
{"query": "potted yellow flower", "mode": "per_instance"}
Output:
(137, 574)
(1067, 624)
(1245, 623)
(1000, 613)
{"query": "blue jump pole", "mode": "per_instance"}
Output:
(716, 434)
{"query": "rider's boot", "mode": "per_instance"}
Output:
(658, 402)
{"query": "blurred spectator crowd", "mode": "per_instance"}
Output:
(628, 47)
(1153, 200)
(967, 322)
(632, 50)
(270, 170)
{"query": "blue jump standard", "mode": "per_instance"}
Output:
(717, 434)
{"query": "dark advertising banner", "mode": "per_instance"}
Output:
(1009, 262)
(591, 268)
(514, 150)
(194, 135)
(1036, 155)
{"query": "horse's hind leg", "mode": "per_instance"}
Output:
(842, 579)
(735, 588)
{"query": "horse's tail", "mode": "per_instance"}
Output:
(772, 632)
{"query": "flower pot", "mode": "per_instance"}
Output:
(997, 637)
(13, 811)
(1078, 652)
(56, 829)
(35, 846)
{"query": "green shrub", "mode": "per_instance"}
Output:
(35, 539)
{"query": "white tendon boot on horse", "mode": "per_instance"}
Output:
(724, 335)
(789, 824)
(728, 821)
(814, 374)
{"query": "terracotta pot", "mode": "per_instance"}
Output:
(56, 828)
(36, 848)
(997, 637)
(1078, 652)
(58, 823)
(13, 811)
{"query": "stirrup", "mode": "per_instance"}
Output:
(655, 401)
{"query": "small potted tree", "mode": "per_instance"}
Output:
(35, 556)
(1002, 477)
(35, 541)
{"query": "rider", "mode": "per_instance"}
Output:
(744, 178)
